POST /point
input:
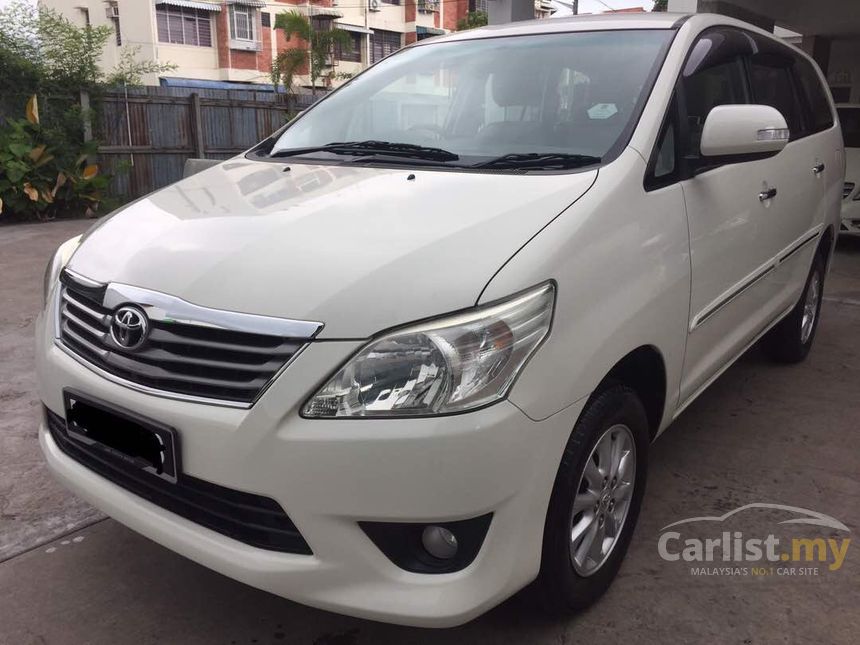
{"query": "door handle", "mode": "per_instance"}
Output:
(818, 168)
(765, 195)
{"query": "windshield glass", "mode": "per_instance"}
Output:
(849, 119)
(546, 94)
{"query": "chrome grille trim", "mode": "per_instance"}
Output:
(191, 353)
(847, 189)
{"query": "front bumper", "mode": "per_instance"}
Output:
(330, 474)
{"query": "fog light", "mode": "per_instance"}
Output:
(439, 542)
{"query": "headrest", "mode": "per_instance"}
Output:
(515, 86)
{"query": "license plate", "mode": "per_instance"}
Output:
(123, 435)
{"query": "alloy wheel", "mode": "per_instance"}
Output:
(810, 308)
(602, 500)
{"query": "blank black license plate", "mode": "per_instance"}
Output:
(126, 437)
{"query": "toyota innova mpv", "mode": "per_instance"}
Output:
(408, 354)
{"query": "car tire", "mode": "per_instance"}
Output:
(571, 578)
(791, 339)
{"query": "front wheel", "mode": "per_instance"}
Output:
(791, 339)
(595, 501)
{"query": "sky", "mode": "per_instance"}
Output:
(585, 6)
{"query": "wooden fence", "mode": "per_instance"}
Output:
(147, 134)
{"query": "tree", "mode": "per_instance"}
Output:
(472, 20)
(47, 62)
(131, 69)
(41, 51)
(322, 44)
(660, 5)
(286, 66)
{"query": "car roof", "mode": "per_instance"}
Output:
(597, 22)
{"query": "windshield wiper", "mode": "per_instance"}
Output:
(365, 148)
(538, 161)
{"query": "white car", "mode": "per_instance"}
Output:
(408, 354)
(849, 117)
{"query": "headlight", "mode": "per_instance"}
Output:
(60, 258)
(452, 364)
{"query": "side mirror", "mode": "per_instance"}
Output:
(744, 132)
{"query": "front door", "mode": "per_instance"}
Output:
(732, 213)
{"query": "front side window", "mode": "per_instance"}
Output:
(183, 26)
(572, 94)
(771, 80)
(242, 22)
(720, 84)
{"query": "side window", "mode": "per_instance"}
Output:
(705, 89)
(815, 94)
(772, 84)
(663, 168)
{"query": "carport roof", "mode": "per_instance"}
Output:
(835, 18)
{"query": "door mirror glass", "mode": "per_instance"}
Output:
(744, 132)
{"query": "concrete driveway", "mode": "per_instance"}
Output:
(762, 433)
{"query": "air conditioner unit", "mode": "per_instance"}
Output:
(374, 5)
(112, 11)
(246, 45)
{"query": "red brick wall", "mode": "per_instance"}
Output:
(260, 61)
(454, 10)
(222, 34)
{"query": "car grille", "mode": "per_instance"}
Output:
(185, 359)
(847, 189)
(253, 519)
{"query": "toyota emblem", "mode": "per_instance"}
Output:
(129, 327)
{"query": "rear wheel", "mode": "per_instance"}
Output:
(791, 339)
(595, 501)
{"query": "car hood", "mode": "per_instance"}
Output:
(359, 249)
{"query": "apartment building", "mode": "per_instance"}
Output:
(234, 41)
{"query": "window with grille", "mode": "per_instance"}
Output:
(181, 26)
(353, 53)
(242, 20)
(384, 43)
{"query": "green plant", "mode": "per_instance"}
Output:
(40, 179)
(472, 20)
(286, 66)
(322, 44)
(43, 167)
(42, 51)
(131, 69)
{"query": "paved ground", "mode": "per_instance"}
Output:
(762, 433)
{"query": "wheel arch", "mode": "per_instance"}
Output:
(644, 371)
(826, 246)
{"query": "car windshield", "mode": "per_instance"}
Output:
(548, 100)
(849, 119)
